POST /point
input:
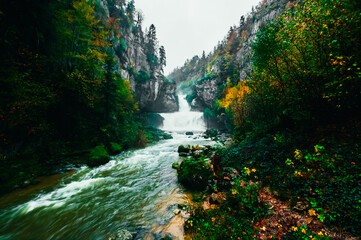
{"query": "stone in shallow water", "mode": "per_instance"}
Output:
(177, 211)
(189, 133)
(175, 165)
(122, 234)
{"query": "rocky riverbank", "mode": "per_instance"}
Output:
(232, 203)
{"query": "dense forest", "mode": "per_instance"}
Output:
(290, 92)
(66, 70)
(80, 80)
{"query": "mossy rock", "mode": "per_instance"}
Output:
(183, 149)
(175, 165)
(115, 148)
(98, 156)
(167, 136)
(189, 133)
(194, 174)
(211, 133)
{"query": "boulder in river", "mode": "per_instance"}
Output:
(175, 165)
(194, 174)
(122, 234)
(189, 133)
(183, 149)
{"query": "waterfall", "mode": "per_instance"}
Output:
(137, 190)
(184, 120)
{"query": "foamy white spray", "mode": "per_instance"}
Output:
(185, 119)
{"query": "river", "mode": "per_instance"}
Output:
(137, 191)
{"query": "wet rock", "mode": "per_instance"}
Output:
(177, 211)
(211, 133)
(153, 119)
(27, 182)
(194, 174)
(183, 154)
(189, 133)
(167, 237)
(198, 153)
(122, 234)
(183, 149)
(175, 165)
(182, 206)
(216, 198)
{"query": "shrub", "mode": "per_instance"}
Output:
(98, 156)
(114, 148)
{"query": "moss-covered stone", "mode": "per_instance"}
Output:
(175, 165)
(98, 156)
(167, 136)
(211, 133)
(194, 174)
(183, 149)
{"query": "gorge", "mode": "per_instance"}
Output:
(258, 139)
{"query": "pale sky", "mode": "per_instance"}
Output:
(187, 27)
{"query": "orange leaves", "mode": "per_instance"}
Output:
(244, 34)
(233, 94)
(290, 4)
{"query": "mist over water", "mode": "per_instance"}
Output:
(185, 119)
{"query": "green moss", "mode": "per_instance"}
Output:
(115, 148)
(194, 174)
(175, 165)
(98, 156)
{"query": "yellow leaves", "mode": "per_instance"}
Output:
(208, 69)
(247, 171)
(303, 230)
(298, 174)
(312, 212)
(298, 154)
(233, 94)
(253, 170)
(295, 229)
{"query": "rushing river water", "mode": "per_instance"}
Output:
(137, 190)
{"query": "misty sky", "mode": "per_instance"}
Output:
(187, 27)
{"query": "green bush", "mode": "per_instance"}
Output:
(98, 156)
(233, 219)
(114, 148)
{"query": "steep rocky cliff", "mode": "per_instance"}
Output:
(205, 77)
(140, 60)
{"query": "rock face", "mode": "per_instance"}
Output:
(206, 91)
(152, 90)
(211, 72)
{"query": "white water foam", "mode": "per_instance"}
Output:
(59, 197)
(184, 120)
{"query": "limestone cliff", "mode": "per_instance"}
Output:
(140, 60)
(206, 77)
